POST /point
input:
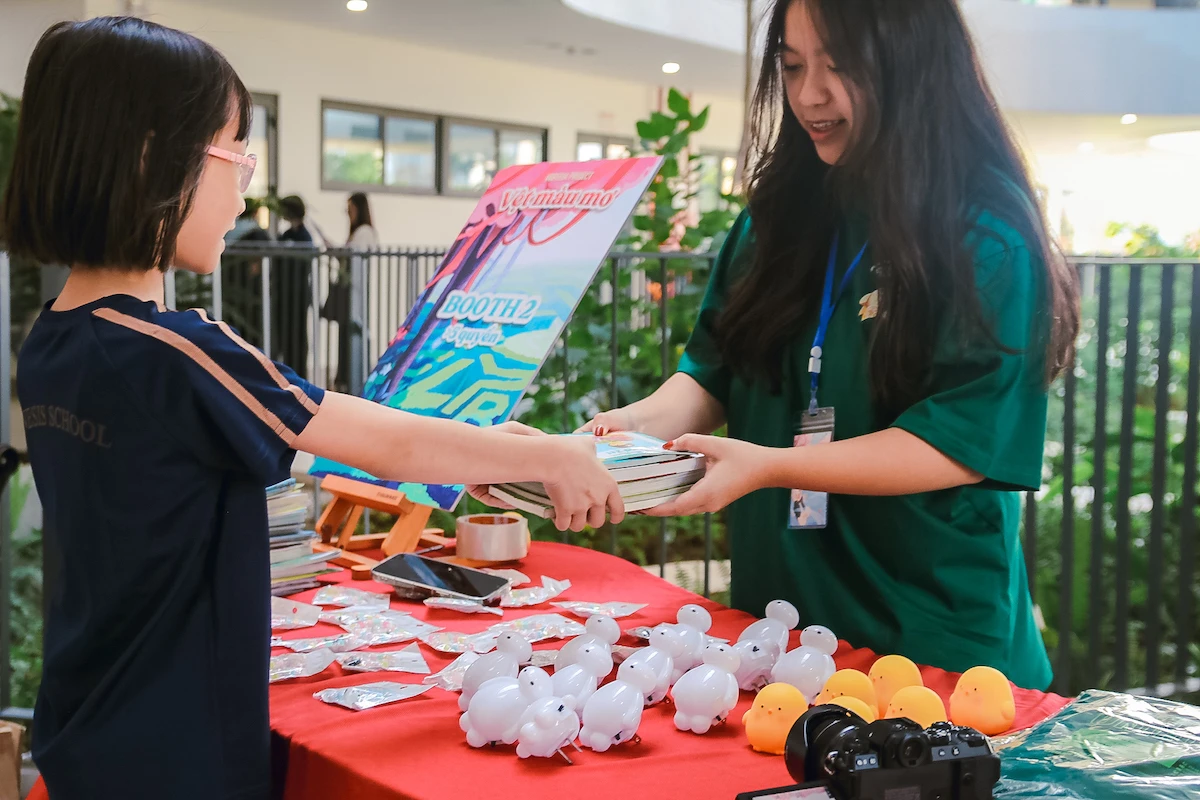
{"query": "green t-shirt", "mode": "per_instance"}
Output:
(938, 577)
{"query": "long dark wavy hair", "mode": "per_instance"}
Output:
(928, 153)
(362, 208)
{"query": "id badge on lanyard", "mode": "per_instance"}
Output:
(809, 510)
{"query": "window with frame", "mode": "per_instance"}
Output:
(593, 147)
(475, 151)
(379, 149)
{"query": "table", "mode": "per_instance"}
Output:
(414, 749)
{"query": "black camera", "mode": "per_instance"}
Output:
(833, 748)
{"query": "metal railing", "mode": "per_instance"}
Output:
(1110, 541)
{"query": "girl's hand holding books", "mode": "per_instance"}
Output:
(581, 490)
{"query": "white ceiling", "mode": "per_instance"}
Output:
(549, 33)
(1062, 134)
(543, 32)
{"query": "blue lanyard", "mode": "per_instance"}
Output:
(828, 304)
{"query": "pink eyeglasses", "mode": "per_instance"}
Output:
(245, 165)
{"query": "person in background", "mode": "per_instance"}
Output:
(291, 290)
(362, 231)
(241, 276)
(345, 304)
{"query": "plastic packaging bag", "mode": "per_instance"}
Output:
(287, 615)
(449, 641)
(1105, 746)
(407, 660)
(451, 678)
(379, 627)
(543, 658)
(464, 606)
(537, 628)
(341, 643)
(511, 575)
(620, 652)
(534, 595)
(369, 695)
(338, 595)
(299, 665)
(611, 609)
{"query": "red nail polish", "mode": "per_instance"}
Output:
(669, 445)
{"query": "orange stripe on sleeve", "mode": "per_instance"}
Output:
(205, 361)
(275, 374)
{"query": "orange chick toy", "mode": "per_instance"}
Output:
(851, 703)
(770, 719)
(921, 705)
(890, 674)
(847, 683)
(983, 700)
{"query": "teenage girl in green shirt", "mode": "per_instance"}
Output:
(890, 222)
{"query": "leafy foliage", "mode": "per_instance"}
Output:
(1088, 603)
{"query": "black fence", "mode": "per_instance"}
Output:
(1110, 540)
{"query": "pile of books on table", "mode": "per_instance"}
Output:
(647, 474)
(294, 564)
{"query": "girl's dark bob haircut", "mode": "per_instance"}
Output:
(115, 118)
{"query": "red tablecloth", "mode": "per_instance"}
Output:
(414, 749)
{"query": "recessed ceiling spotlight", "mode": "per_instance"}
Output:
(1128, 119)
(1184, 143)
(670, 68)
(356, 5)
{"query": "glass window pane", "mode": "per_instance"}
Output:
(353, 150)
(728, 170)
(409, 152)
(472, 157)
(619, 150)
(520, 147)
(259, 145)
(708, 185)
(589, 151)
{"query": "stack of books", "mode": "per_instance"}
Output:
(294, 565)
(647, 474)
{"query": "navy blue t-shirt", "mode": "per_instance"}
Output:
(152, 435)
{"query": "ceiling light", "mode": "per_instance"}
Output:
(1086, 147)
(1129, 119)
(1185, 143)
(356, 5)
(670, 68)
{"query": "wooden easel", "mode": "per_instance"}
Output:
(340, 518)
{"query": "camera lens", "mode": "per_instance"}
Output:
(816, 736)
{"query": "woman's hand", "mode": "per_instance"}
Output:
(733, 468)
(482, 493)
(606, 422)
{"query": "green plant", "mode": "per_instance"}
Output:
(25, 651)
(10, 109)
(1143, 242)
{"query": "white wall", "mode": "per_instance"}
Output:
(303, 65)
(22, 22)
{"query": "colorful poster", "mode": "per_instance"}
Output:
(491, 315)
